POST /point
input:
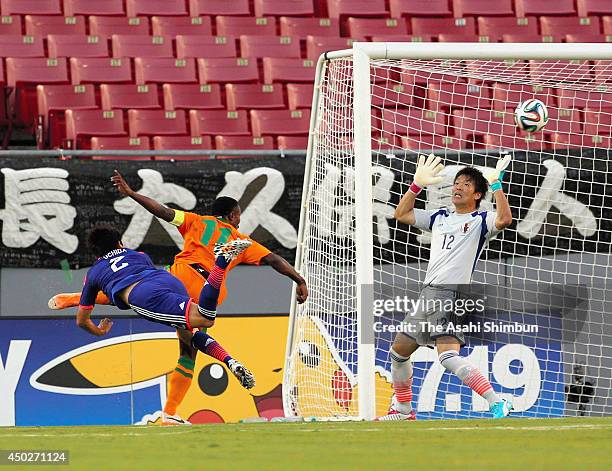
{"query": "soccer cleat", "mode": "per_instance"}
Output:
(230, 250)
(396, 415)
(246, 378)
(501, 409)
(168, 419)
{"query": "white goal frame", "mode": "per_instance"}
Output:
(361, 54)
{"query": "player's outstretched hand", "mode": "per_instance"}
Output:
(121, 185)
(427, 171)
(496, 175)
(105, 325)
(302, 293)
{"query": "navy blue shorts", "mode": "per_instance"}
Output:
(161, 297)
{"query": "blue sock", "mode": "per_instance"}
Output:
(209, 296)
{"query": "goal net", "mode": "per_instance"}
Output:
(549, 269)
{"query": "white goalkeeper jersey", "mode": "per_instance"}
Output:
(456, 243)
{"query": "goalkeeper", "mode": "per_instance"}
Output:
(457, 240)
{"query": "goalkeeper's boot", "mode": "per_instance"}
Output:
(246, 378)
(501, 409)
(168, 419)
(394, 414)
(230, 250)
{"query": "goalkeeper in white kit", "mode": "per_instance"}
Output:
(457, 239)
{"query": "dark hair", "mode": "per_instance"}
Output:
(480, 182)
(103, 238)
(223, 206)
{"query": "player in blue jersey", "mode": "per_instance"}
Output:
(130, 280)
(458, 237)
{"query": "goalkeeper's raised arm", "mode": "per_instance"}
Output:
(426, 174)
(503, 213)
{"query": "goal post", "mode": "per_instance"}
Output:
(376, 107)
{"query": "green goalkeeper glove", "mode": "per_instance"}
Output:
(494, 177)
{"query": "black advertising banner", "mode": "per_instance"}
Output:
(47, 206)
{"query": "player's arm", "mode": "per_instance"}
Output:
(83, 320)
(283, 267)
(426, 174)
(155, 208)
(503, 213)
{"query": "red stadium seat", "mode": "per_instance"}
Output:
(362, 28)
(237, 25)
(544, 7)
(601, 72)
(192, 96)
(299, 95)
(205, 46)
(52, 101)
(598, 123)
(412, 121)
(224, 69)
(463, 8)
(559, 25)
(71, 45)
(302, 27)
(471, 125)
(435, 26)
(35, 70)
(345, 8)
(11, 25)
(283, 7)
(280, 122)
(565, 141)
(457, 95)
(462, 38)
(269, 46)
(516, 69)
(587, 38)
(126, 96)
(594, 7)
(219, 7)
(246, 96)
(243, 142)
(35, 7)
(292, 142)
(157, 123)
(99, 7)
(506, 96)
(164, 69)
(218, 122)
(533, 142)
(495, 27)
(565, 71)
(100, 70)
(392, 94)
(529, 38)
(404, 38)
(607, 24)
(401, 8)
(141, 46)
(426, 143)
(81, 124)
(317, 45)
(181, 143)
(109, 25)
(44, 25)
(578, 99)
(155, 7)
(288, 70)
(120, 143)
(21, 46)
(184, 25)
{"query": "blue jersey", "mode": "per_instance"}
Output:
(114, 272)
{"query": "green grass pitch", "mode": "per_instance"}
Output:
(523, 444)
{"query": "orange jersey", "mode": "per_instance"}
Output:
(201, 233)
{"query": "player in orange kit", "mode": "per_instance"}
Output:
(192, 266)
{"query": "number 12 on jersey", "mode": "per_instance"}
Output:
(448, 240)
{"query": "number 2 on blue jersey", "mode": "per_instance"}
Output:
(114, 263)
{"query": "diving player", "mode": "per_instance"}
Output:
(457, 241)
